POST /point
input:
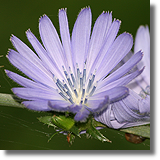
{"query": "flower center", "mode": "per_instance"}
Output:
(76, 89)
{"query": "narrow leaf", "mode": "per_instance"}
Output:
(10, 100)
(143, 131)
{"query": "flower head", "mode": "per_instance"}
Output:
(128, 112)
(134, 109)
(68, 74)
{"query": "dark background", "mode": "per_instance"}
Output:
(19, 128)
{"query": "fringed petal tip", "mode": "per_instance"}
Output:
(6, 71)
(42, 17)
(29, 34)
(85, 8)
(12, 37)
(63, 10)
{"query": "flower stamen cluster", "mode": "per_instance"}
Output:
(75, 88)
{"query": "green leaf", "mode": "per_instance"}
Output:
(143, 131)
(10, 100)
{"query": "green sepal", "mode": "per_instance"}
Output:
(75, 130)
(68, 124)
(63, 122)
(93, 132)
(47, 120)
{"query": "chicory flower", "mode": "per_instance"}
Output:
(68, 74)
(142, 42)
(133, 110)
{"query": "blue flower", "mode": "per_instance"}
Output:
(126, 112)
(68, 74)
(134, 109)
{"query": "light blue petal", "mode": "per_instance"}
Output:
(24, 81)
(123, 69)
(115, 94)
(44, 56)
(98, 105)
(106, 118)
(59, 105)
(98, 37)
(114, 55)
(36, 94)
(81, 112)
(74, 108)
(108, 41)
(82, 115)
(142, 42)
(80, 37)
(39, 105)
(26, 52)
(124, 113)
(132, 100)
(144, 105)
(120, 82)
(51, 41)
(29, 69)
(65, 36)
